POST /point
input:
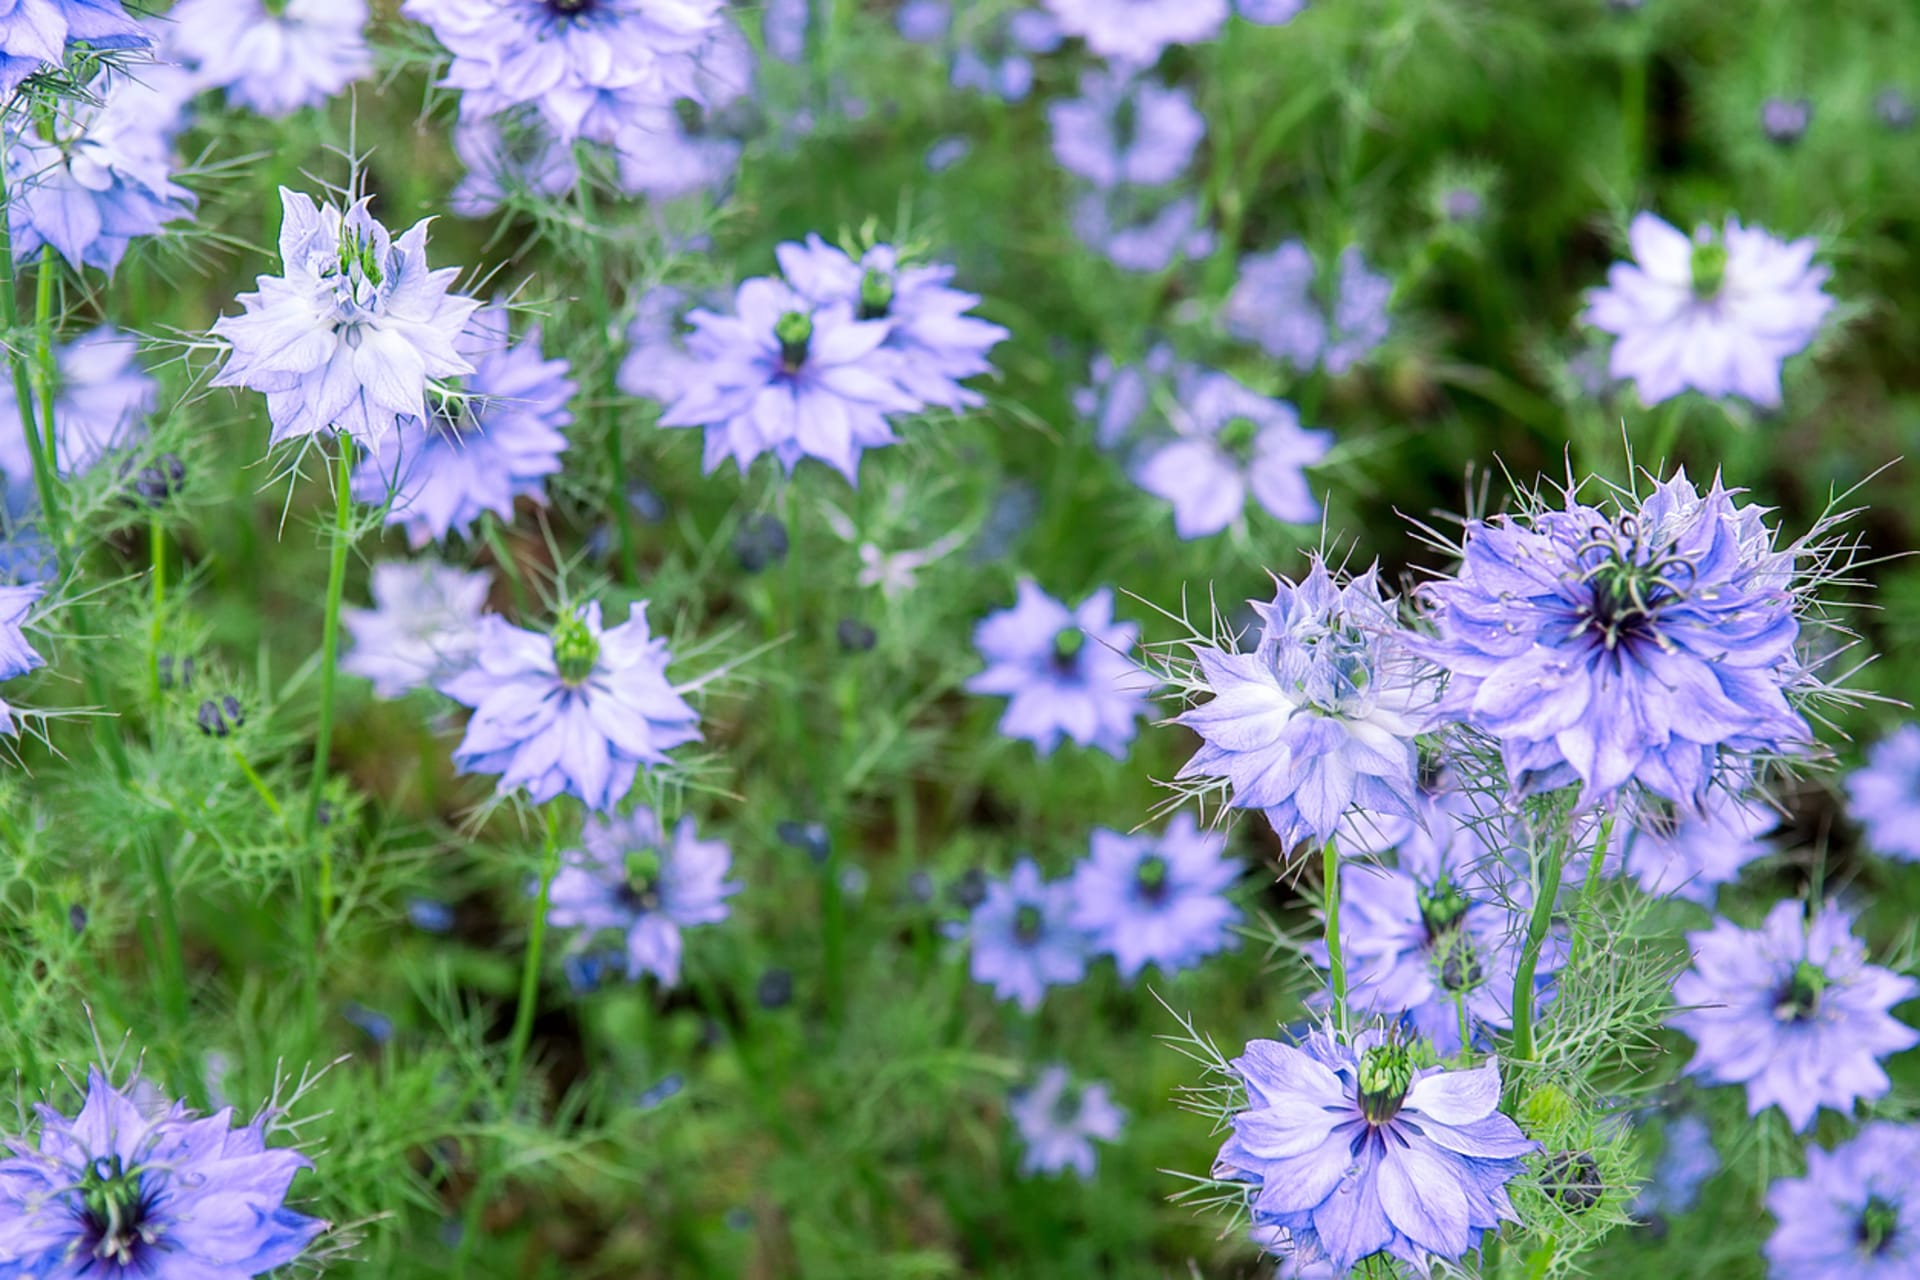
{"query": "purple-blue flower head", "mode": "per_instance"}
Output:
(130, 1188)
(1884, 796)
(1124, 130)
(1669, 851)
(89, 178)
(1274, 306)
(937, 343)
(350, 336)
(1058, 1120)
(791, 377)
(273, 58)
(1141, 230)
(1718, 313)
(629, 878)
(1023, 937)
(580, 710)
(1159, 900)
(494, 438)
(588, 65)
(1793, 1011)
(34, 34)
(424, 625)
(1645, 642)
(1122, 400)
(1065, 673)
(1321, 716)
(100, 400)
(1354, 1151)
(680, 148)
(657, 366)
(511, 155)
(1856, 1213)
(1135, 32)
(1229, 442)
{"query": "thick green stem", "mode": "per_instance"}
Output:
(1336, 958)
(536, 944)
(329, 662)
(1544, 894)
(43, 475)
(44, 362)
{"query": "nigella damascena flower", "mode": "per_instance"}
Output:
(1885, 795)
(1643, 643)
(1719, 312)
(1065, 672)
(792, 377)
(1793, 1011)
(1269, 13)
(692, 144)
(938, 344)
(134, 1186)
(658, 366)
(999, 60)
(1229, 442)
(423, 627)
(1273, 305)
(1136, 31)
(1690, 855)
(588, 65)
(17, 656)
(495, 437)
(34, 34)
(349, 337)
(89, 178)
(516, 154)
(1321, 716)
(101, 396)
(273, 58)
(1856, 1213)
(580, 710)
(1058, 1121)
(1023, 937)
(1140, 229)
(1122, 400)
(630, 878)
(1125, 130)
(1159, 900)
(1354, 1151)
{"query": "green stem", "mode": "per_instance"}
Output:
(173, 954)
(43, 475)
(1336, 959)
(329, 655)
(1596, 867)
(536, 944)
(157, 538)
(1544, 894)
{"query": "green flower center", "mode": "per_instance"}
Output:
(115, 1210)
(1237, 438)
(876, 294)
(1028, 924)
(1709, 267)
(1625, 596)
(641, 888)
(1457, 961)
(575, 650)
(1067, 644)
(1386, 1073)
(1066, 1107)
(1878, 1223)
(1150, 878)
(357, 251)
(795, 332)
(1800, 999)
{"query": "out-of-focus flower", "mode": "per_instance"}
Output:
(423, 627)
(100, 399)
(1023, 938)
(1124, 130)
(1230, 442)
(1157, 900)
(686, 146)
(1690, 855)
(1137, 31)
(1269, 13)
(1856, 1213)
(1059, 1120)
(1687, 1159)
(1718, 313)
(34, 34)
(1141, 231)
(1885, 795)
(1793, 1011)
(1066, 673)
(999, 60)
(272, 56)
(516, 154)
(1785, 120)
(1273, 305)
(1119, 399)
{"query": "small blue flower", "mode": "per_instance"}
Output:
(579, 711)
(272, 58)
(1135, 32)
(349, 338)
(1124, 400)
(1065, 672)
(1231, 442)
(1885, 795)
(1058, 1121)
(1273, 305)
(34, 34)
(1856, 1213)
(1141, 230)
(1125, 131)
(492, 438)
(100, 400)
(658, 366)
(630, 879)
(999, 60)
(1687, 1159)
(507, 156)
(923, 21)
(1158, 900)
(423, 628)
(430, 915)
(1354, 1151)
(686, 147)
(1793, 1011)
(135, 1186)
(1669, 851)
(1023, 937)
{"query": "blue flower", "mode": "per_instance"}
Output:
(1269, 13)
(273, 58)
(1793, 1011)
(34, 34)
(1354, 1151)
(494, 438)
(1648, 644)
(658, 366)
(588, 65)
(1123, 400)
(1124, 130)
(1690, 855)
(102, 178)
(17, 656)
(1273, 306)
(423, 628)
(1687, 1159)
(1136, 31)
(630, 879)
(1885, 795)
(579, 711)
(1157, 900)
(132, 1187)
(1856, 1213)
(1321, 716)
(1023, 937)
(1141, 230)
(937, 343)
(507, 156)
(685, 147)
(791, 377)
(349, 337)
(100, 399)
(1065, 672)
(1228, 442)
(1059, 1120)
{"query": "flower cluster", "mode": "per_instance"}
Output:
(1128, 138)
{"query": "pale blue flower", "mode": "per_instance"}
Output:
(1137, 31)
(1230, 443)
(100, 402)
(1885, 795)
(1023, 937)
(1159, 900)
(273, 57)
(1065, 673)
(1124, 130)
(34, 34)
(424, 625)
(1058, 1122)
